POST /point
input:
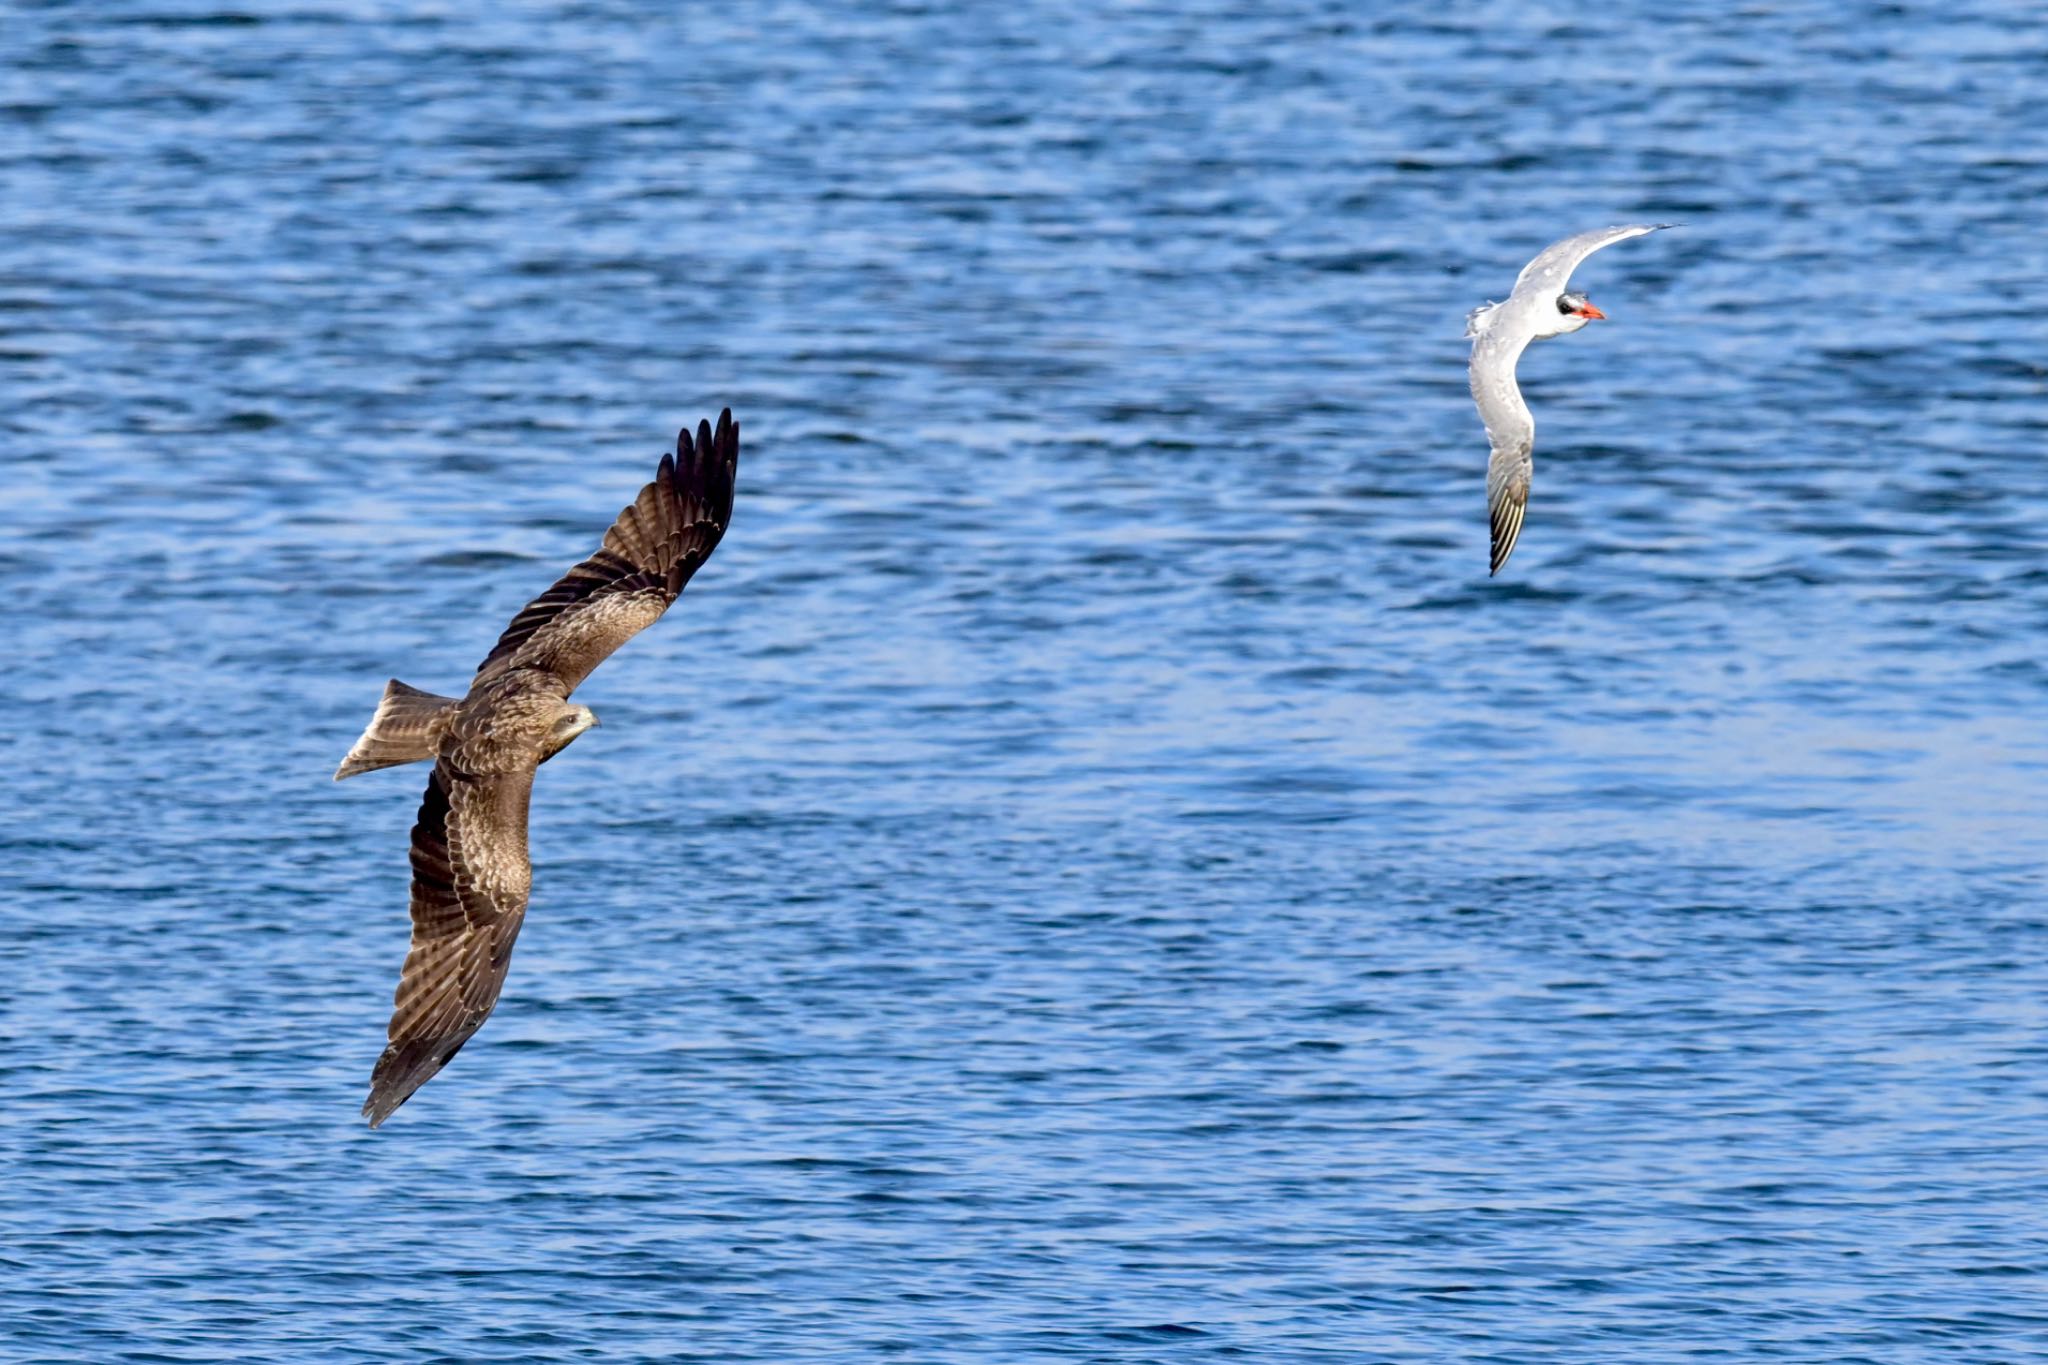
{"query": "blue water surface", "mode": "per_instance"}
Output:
(1092, 870)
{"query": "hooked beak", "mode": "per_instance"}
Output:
(1590, 312)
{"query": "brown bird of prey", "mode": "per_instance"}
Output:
(470, 873)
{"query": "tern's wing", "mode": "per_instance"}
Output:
(1552, 269)
(1507, 498)
(1510, 430)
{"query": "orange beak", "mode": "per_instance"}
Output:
(1589, 311)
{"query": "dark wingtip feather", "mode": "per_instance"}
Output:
(379, 1107)
(1507, 529)
(706, 462)
(401, 1071)
(712, 473)
(391, 1086)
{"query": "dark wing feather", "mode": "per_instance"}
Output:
(470, 877)
(1507, 496)
(648, 555)
(1506, 516)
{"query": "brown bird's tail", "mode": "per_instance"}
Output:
(406, 729)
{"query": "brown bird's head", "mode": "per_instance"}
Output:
(569, 722)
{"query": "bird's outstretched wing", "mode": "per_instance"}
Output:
(658, 541)
(470, 877)
(1510, 430)
(1552, 269)
(1507, 497)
